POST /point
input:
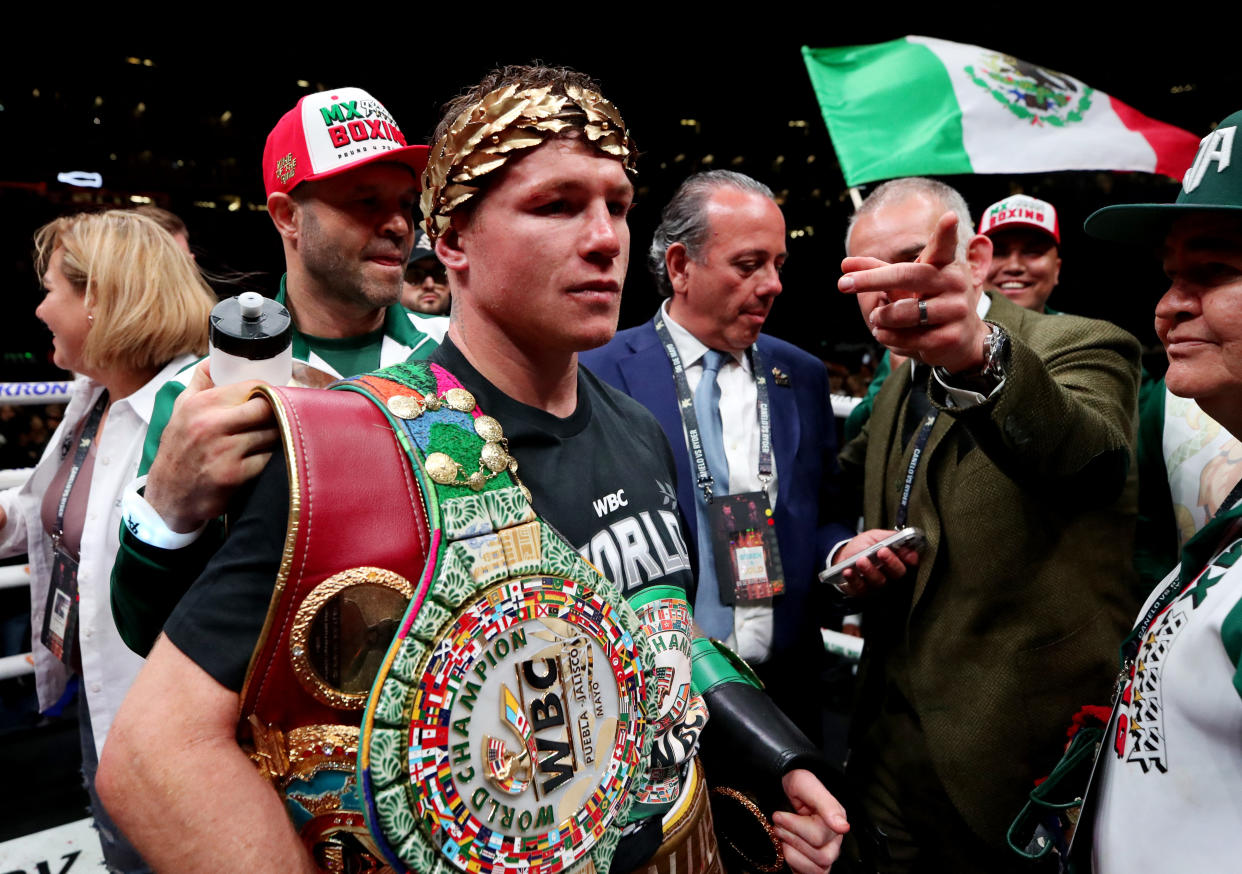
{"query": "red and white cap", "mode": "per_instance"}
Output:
(1021, 211)
(331, 132)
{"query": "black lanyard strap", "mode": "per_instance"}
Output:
(920, 444)
(690, 420)
(84, 444)
(920, 441)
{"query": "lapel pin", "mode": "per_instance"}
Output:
(780, 377)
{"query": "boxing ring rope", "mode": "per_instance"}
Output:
(27, 393)
(15, 575)
(843, 405)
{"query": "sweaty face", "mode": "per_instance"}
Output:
(1199, 319)
(724, 294)
(896, 233)
(63, 310)
(1025, 266)
(355, 232)
(545, 251)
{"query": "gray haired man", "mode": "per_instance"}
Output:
(717, 257)
(1010, 446)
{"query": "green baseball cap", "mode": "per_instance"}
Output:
(1212, 184)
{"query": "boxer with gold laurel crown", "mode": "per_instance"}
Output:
(522, 710)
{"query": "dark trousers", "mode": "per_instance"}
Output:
(906, 800)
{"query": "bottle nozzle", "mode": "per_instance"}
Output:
(251, 304)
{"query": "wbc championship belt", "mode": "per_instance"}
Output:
(507, 717)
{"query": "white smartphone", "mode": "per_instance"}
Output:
(906, 538)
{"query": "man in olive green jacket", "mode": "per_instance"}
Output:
(1016, 463)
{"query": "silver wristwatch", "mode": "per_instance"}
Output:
(995, 352)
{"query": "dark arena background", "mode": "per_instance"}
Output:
(184, 129)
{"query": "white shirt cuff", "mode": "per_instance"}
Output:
(963, 398)
(832, 553)
(147, 525)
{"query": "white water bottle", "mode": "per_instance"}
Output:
(251, 338)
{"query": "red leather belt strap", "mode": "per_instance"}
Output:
(339, 473)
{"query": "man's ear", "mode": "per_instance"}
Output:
(283, 210)
(677, 262)
(450, 251)
(979, 257)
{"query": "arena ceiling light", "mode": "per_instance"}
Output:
(81, 179)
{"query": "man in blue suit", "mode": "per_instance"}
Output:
(717, 257)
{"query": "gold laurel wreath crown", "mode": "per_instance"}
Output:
(486, 135)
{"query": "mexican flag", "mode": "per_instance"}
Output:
(919, 105)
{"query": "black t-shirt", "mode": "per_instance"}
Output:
(603, 476)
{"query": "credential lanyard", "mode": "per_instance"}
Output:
(84, 444)
(685, 403)
(920, 444)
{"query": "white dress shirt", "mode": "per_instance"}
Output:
(739, 417)
(108, 665)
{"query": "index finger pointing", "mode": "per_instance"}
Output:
(941, 249)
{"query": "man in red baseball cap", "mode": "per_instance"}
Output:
(1026, 261)
(342, 185)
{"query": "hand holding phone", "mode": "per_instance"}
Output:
(903, 548)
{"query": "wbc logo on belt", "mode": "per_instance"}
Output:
(525, 730)
(554, 723)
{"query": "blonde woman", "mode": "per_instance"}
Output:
(127, 309)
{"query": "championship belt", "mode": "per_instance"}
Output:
(507, 716)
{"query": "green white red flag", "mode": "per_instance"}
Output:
(923, 106)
